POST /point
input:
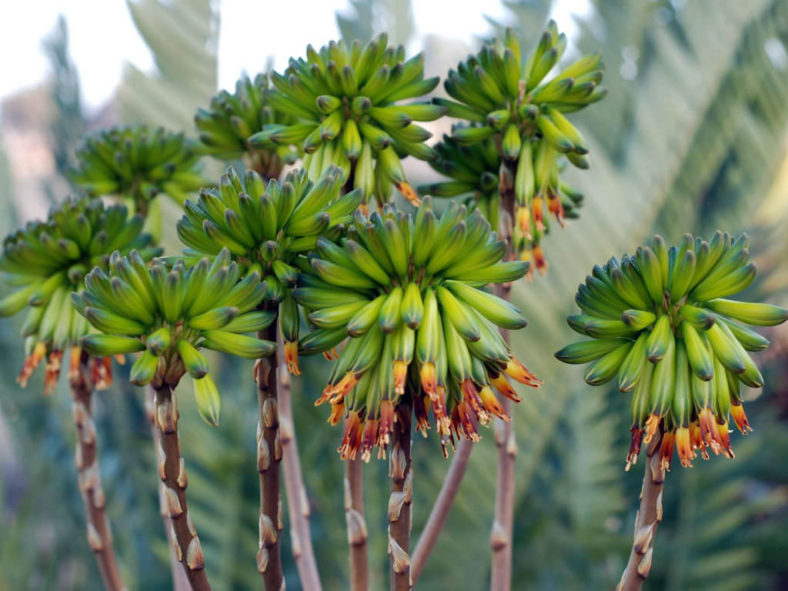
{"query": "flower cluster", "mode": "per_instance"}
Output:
(47, 260)
(661, 324)
(226, 128)
(267, 228)
(169, 312)
(408, 292)
(511, 99)
(345, 100)
(137, 163)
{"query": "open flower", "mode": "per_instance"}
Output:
(509, 98)
(137, 163)
(267, 229)
(233, 118)
(409, 295)
(346, 101)
(46, 261)
(663, 326)
(168, 313)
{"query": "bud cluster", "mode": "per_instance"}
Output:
(663, 327)
(135, 162)
(169, 312)
(47, 260)
(408, 292)
(345, 102)
(266, 228)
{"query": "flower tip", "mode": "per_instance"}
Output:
(291, 358)
(408, 193)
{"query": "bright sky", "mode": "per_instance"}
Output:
(103, 37)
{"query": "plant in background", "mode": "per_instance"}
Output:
(346, 104)
(168, 313)
(47, 261)
(475, 172)
(661, 324)
(137, 163)
(423, 334)
(507, 97)
(228, 130)
(267, 229)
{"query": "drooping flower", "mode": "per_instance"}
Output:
(170, 312)
(267, 229)
(662, 325)
(408, 294)
(46, 261)
(347, 103)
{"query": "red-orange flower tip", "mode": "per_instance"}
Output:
(291, 358)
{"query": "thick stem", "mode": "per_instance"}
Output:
(648, 518)
(503, 520)
(295, 491)
(269, 457)
(172, 473)
(401, 486)
(89, 478)
(440, 510)
(356, 525)
(179, 580)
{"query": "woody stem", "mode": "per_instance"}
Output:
(356, 525)
(401, 487)
(269, 457)
(88, 476)
(648, 517)
(295, 491)
(172, 473)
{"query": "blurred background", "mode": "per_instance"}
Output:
(692, 137)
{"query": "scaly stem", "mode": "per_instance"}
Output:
(269, 457)
(648, 518)
(88, 477)
(401, 486)
(172, 473)
(440, 510)
(356, 525)
(503, 520)
(295, 491)
(179, 580)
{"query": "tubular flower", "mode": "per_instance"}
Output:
(226, 127)
(662, 326)
(509, 99)
(409, 295)
(267, 229)
(169, 313)
(135, 162)
(48, 260)
(345, 100)
(476, 171)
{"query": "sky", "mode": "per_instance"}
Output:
(103, 37)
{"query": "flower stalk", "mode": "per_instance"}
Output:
(440, 510)
(88, 476)
(648, 518)
(269, 458)
(172, 472)
(295, 491)
(400, 499)
(356, 525)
